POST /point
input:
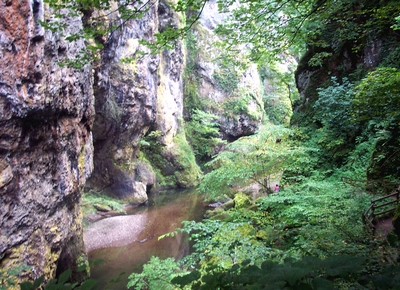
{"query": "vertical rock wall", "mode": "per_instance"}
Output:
(46, 115)
(132, 99)
(125, 94)
(223, 85)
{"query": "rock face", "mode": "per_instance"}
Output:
(132, 99)
(125, 95)
(46, 115)
(230, 92)
(50, 143)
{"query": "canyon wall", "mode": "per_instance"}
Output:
(135, 98)
(46, 116)
(228, 87)
(115, 126)
(139, 130)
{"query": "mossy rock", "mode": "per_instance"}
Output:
(213, 212)
(242, 200)
(102, 207)
(229, 204)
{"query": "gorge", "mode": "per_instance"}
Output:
(86, 112)
(65, 130)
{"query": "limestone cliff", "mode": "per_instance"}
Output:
(46, 115)
(136, 98)
(51, 142)
(226, 89)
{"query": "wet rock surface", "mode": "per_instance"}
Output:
(46, 114)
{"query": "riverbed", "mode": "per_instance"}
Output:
(124, 243)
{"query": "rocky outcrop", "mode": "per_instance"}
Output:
(230, 92)
(133, 99)
(125, 101)
(46, 115)
(48, 135)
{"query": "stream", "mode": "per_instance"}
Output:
(125, 242)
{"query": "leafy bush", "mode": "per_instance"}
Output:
(203, 133)
(378, 96)
(242, 200)
(307, 273)
(249, 159)
(156, 274)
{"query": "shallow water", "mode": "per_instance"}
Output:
(165, 212)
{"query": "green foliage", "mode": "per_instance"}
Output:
(62, 282)
(332, 112)
(8, 277)
(278, 111)
(236, 106)
(309, 236)
(156, 274)
(396, 25)
(151, 150)
(222, 244)
(360, 157)
(179, 157)
(151, 141)
(203, 133)
(333, 106)
(318, 59)
(280, 91)
(307, 273)
(268, 28)
(98, 28)
(91, 200)
(227, 75)
(318, 218)
(188, 172)
(378, 96)
(242, 200)
(392, 58)
(249, 160)
(251, 21)
(241, 103)
(59, 22)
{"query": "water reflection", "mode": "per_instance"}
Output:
(165, 212)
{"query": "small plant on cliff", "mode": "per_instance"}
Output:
(203, 133)
(227, 74)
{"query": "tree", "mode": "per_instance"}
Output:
(269, 27)
(250, 160)
(378, 96)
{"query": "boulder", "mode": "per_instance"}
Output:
(126, 188)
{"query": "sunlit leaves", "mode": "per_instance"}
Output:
(318, 218)
(265, 28)
(156, 274)
(378, 95)
(250, 159)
